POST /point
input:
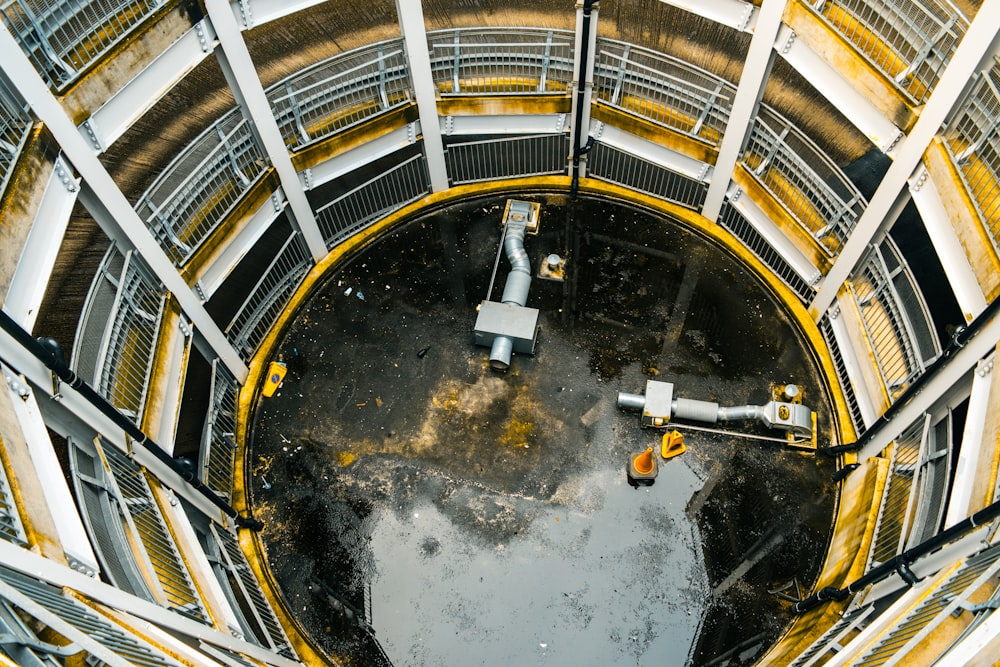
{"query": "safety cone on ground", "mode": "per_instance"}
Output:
(673, 444)
(641, 467)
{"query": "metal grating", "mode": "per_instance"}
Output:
(202, 185)
(497, 62)
(81, 619)
(257, 615)
(118, 331)
(268, 297)
(11, 528)
(354, 210)
(507, 157)
(896, 320)
(899, 496)
(106, 524)
(973, 139)
(830, 641)
(15, 126)
(151, 529)
(663, 89)
(910, 41)
(947, 599)
(341, 92)
(611, 164)
(218, 442)
(804, 180)
(733, 220)
(63, 38)
(853, 407)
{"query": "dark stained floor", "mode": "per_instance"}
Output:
(419, 503)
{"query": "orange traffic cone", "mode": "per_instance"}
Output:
(642, 467)
(672, 444)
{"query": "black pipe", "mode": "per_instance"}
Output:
(958, 341)
(49, 353)
(581, 97)
(901, 564)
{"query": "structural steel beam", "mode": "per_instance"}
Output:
(756, 69)
(249, 93)
(128, 226)
(411, 24)
(979, 43)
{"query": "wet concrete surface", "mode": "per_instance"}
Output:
(422, 509)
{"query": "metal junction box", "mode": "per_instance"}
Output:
(519, 323)
(656, 411)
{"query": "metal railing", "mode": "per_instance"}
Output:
(15, 126)
(118, 331)
(948, 599)
(269, 295)
(743, 229)
(340, 92)
(490, 61)
(910, 41)
(899, 496)
(71, 618)
(507, 157)
(614, 165)
(196, 191)
(833, 639)
(64, 37)
(11, 528)
(218, 441)
(896, 320)
(255, 614)
(807, 183)
(837, 356)
(351, 212)
(148, 525)
(973, 139)
(663, 89)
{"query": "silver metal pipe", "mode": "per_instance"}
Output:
(515, 290)
(631, 401)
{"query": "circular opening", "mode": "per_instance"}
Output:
(422, 509)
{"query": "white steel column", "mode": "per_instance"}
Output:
(249, 93)
(105, 192)
(56, 495)
(411, 24)
(949, 249)
(960, 498)
(756, 69)
(582, 92)
(978, 44)
(956, 367)
(34, 267)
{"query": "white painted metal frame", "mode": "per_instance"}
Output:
(957, 366)
(56, 493)
(960, 501)
(979, 43)
(411, 24)
(950, 252)
(121, 221)
(756, 69)
(113, 118)
(742, 16)
(246, 87)
(38, 257)
(30, 563)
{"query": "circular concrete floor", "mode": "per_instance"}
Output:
(423, 509)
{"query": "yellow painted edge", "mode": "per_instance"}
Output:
(693, 222)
